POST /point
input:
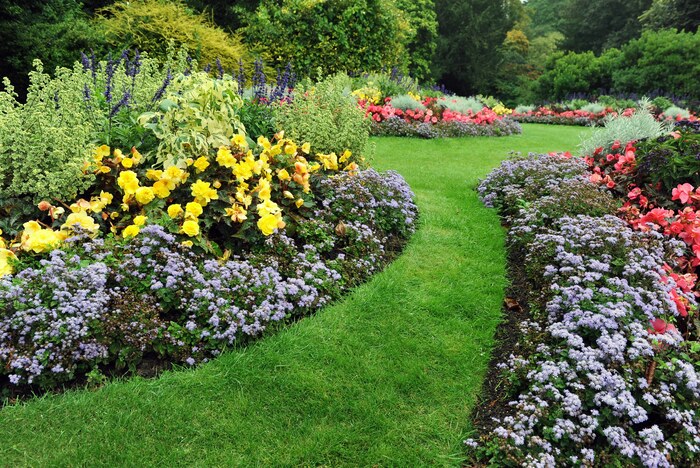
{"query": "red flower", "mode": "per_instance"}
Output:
(682, 193)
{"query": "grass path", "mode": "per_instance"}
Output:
(388, 376)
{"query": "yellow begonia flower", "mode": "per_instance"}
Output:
(128, 182)
(194, 209)
(346, 155)
(239, 140)
(330, 162)
(105, 169)
(268, 207)
(290, 148)
(5, 266)
(160, 189)
(216, 184)
(175, 173)
(237, 213)
(189, 161)
(145, 195)
(140, 220)
(100, 152)
(201, 164)
(203, 193)
(306, 148)
(175, 210)
(187, 243)
(128, 163)
(130, 231)
(83, 220)
(80, 205)
(283, 175)
(225, 158)
(264, 189)
(267, 224)
(191, 228)
(288, 194)
(264, 142)
(118, 155)
(135, 155)
(299, 202)
(38, 240)
(154, 174)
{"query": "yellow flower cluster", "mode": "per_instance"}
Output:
(500, 109)
(368, 94)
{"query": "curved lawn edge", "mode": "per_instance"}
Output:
(388, 376)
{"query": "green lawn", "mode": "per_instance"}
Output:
(388, 376)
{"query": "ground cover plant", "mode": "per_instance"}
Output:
(391, 372)
(197, 238)
(606, 369)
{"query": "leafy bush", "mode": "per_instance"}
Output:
(641, 124)
(327, 116)
(593, 108)
(339, 36)
(676, 113)
(461, 104)
(523, 109)
(151, 25)
(45, 143)
(572, 73)
(406, 102)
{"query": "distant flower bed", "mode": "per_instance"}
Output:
(607, 366)
(583, 117)
(434, 120)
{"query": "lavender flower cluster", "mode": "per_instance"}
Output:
(397, 126)
(596, 383)
(98, 303)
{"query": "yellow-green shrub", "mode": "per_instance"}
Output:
(150, 25)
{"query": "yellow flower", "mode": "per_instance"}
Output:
(83, 220)
(187, 243)
(100, 152)
(189, 161)
(118, 155)
(175, 210)
(175, 174)
(240, 141)
(306, 148)
(140, 220)
(330, 161)
(128, 163)
(299, 202)
(290, 148)
(283, 175)
(135, 155)
(194, 209)
(130, 231)
(264, 142)
(105, 169)
(128, 182)
(201, 164)
(225, 158)
(38, 240)
(267, 224)
(203, 193)
(216, 184)
(264, 189)
(154, 174)
(346, 155)
(160, 189)
(237, 213)
(268, 207)
(288, 194)
(5, 266)
(145, 195)
(191, 228)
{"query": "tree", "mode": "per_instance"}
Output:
(422, 42)
(600, 24)
(545, 16)
(683, 15)
(471, 33)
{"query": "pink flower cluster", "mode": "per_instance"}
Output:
(379, 113)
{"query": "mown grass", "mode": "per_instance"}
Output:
(386, 377)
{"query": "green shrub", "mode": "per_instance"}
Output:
(617, 103)
(461, 104)
(150, 25)
(338, 35)
(522, 109)
(421, 42)
(666, 60)
(326, 116)
(594, 108)
(45, 142)
(675, 112)
(572, 73)
(198, 113)
(661, 103)
(641, 124)
(406, 102)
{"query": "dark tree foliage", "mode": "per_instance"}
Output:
(54, 31)
(545, 16)
(227, 14)
(422, 43)
(683, 15)
(471, 33)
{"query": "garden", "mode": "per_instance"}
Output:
(378, 243)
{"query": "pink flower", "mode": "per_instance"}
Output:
(682, 192)
(660, 326)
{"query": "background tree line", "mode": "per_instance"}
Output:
(520, 51)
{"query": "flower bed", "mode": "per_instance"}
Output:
(436, 121)
(198, 240)
(607, 366)
(570, 117)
